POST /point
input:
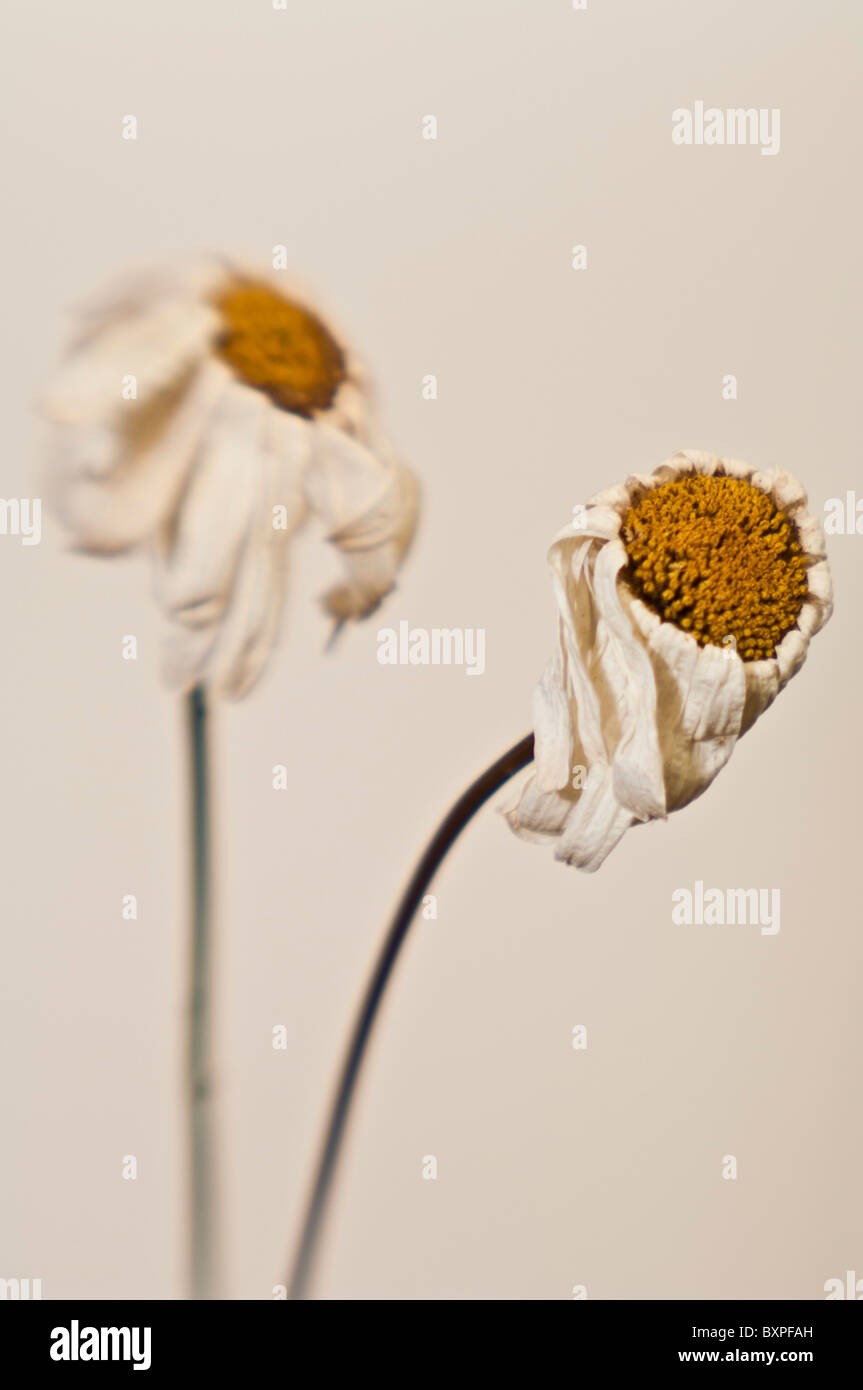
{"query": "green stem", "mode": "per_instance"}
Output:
(198, 1079)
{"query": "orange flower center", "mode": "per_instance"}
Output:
(279, 348)
(717, 557)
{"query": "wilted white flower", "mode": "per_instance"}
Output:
(686, 600)
(208, 409)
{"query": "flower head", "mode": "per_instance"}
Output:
(209, 409)
(687, 598)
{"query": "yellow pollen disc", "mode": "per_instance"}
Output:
(279, 348)
(717, 557)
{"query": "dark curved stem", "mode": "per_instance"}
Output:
(447, 833)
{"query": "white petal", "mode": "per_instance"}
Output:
(288, 440)
(710, 722)
(637, 766)
(552, 730)
(368, 503)
(790, 655)
(714, 701)
(811, 618)
(644, 620)
(112, 485)
(612, 499)
(231, 653)
(156, 347)
(350, 413)
(762, 687)
(537, 813)
(601, 521)
(184, 654)
(133, 292)
(200, 555)
(819, 583)
(811, 534)
(698, 460)
(346, 483)
(674, 467)
(247, 634)
(595, 825)
(736, 468)
(787, 493)
(578, 619)
(765, 479)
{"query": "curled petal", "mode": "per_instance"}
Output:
(156, 347)
(113, 483)
(368, 503)
(790, 655)
(637, 764)
(595, 825)
(762, 686)
(203, 542)
(553, 732)
(226, 600)
(701, 739)
(697, 459)
(821, 586)
(811, 535)
(350, 412)
(736, 468)
(251, 629)
(133, 292)
(612, 502)
(538, 813)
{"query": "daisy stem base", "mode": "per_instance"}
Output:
(198, 1080)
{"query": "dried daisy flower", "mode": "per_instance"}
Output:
(207, 409)
(686, 601)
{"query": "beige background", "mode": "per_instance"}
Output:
(453, 257)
